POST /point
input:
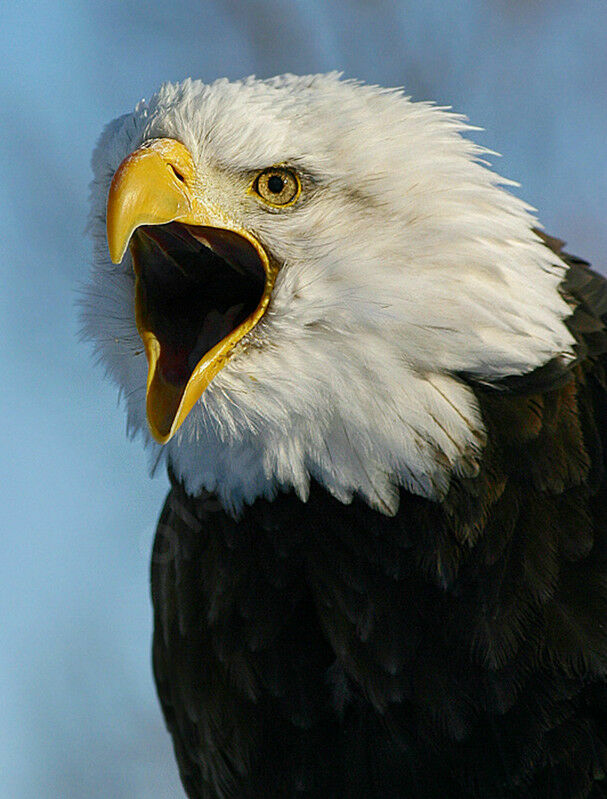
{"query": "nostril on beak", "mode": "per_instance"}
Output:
(177, 173)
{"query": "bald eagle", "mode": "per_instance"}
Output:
(380, 393)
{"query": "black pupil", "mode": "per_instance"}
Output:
(276, 184)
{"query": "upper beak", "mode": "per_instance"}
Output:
(152, 186)
(155, 185)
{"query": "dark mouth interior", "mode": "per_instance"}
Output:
(196, 285)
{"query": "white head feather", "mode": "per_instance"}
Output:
(404, 265)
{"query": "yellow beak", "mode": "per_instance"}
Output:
(156, 185)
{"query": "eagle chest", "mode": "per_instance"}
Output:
(322, 645)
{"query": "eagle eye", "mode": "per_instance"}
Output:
(277, 186)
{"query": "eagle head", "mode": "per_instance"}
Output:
(305, 277)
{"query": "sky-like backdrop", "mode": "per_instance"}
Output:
(78, 712)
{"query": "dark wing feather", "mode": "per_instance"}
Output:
(455, 650)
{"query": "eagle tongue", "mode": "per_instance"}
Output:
(173, 365)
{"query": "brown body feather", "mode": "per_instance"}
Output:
(456, 650)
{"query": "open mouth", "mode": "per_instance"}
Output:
(199, 290)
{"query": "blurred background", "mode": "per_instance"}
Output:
(78, 712)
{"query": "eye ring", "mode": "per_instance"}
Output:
(277, 186)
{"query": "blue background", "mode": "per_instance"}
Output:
(78, 713)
